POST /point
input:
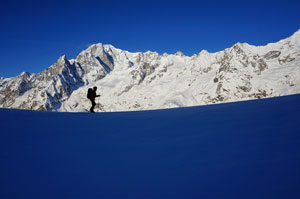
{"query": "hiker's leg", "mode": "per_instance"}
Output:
(93, 106)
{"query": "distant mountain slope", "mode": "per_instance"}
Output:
(143, 81)
(246, 150)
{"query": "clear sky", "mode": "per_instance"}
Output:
(34, 33)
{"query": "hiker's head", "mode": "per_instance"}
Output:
(95, 88)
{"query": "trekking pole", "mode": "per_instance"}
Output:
(99, 103)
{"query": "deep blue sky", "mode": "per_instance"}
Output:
(34, 34)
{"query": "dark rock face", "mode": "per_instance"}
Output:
(272, 55)
(286, 59)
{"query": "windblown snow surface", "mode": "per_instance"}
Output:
(247, 149)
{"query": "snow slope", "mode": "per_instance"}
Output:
(248, 149)
(147, 81)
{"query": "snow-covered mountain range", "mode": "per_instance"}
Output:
(143, 81)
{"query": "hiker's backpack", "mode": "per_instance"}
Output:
(89, 93)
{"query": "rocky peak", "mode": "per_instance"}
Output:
(238, 48)
(179, 53)
(96, 58)
(58, 66)
(93, 50)
(203, 52)
(25, 75)
(62, 59)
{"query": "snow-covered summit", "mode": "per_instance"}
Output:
(142, 81)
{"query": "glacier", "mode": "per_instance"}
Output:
(248, 149)
(130, 81)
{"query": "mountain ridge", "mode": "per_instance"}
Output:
(143, 81)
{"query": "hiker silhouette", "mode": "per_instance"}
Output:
(92, 96)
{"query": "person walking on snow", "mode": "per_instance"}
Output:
(92, 96)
